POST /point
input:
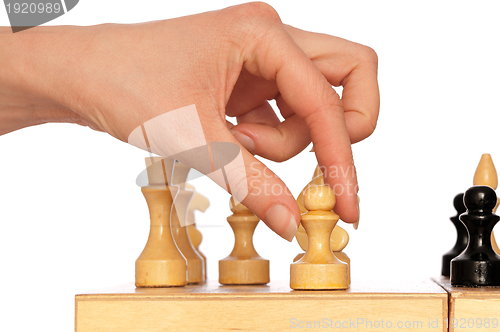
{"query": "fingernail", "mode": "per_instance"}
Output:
(356, 224)
(277, 216)
(246, 141)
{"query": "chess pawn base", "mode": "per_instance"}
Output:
(333, 275)
(446, 262)
(204, 264)
(253, 271)
(468, 273)
(165, 273)
(160, 263)
(195, 264)
(195, 237)
(195, 270)
(462, 236)
(341, 256)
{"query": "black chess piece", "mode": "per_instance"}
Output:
(462, 236)
(478, 265)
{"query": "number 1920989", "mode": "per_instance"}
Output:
(462, 323)
(32, 8)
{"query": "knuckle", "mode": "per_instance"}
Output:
(249, 23)
(368, 54)
(261, 9)
(369, 127)
(332, 106)
(365, 126)
(254, 17)
(286, 151)
(252, 13)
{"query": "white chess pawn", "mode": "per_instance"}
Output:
(160, 264)
(319, 268)
(339, 237)
(243, 266)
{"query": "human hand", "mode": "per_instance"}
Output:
(115, 78)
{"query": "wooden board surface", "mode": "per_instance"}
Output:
(412, 306)
(472, 309)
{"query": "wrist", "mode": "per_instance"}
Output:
(32, 90)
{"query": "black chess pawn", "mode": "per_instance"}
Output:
(462, 236)
(478, 265)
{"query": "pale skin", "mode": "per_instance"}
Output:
(114, 77)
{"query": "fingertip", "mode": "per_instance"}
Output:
(291, 230)
(347, 202)
(282, 221)
(347, 208)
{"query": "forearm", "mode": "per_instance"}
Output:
(30, 91)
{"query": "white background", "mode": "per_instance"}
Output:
(73, 219)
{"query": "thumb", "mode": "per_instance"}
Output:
(212, 150)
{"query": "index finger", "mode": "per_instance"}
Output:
(352, 65)
(311, 96)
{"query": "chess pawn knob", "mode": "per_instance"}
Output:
(195, 263)
(243, 266)
(486, 174)
(160, 264)
(319, 268)
(462, 236)
(478, 265)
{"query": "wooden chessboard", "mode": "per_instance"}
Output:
(472, 309)
(368, 305)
